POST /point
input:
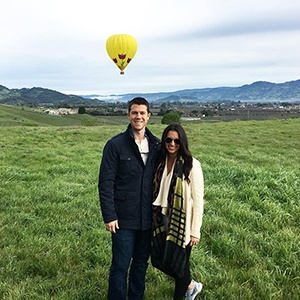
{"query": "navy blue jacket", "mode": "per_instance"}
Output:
(125, 183)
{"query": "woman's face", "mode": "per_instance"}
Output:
(172, 142)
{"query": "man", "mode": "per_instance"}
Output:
(125, 190)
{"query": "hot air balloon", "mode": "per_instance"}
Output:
(121, 48)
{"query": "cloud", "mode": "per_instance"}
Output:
(181, 44)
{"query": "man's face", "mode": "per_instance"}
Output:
(138, 117)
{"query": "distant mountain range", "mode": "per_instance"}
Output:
(260, 91)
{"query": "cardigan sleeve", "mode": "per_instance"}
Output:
(197, 193)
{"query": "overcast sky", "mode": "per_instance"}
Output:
(182, 44)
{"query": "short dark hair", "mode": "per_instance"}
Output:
(139, 101)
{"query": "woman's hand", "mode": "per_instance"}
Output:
(194, 241)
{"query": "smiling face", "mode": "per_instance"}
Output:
(172, 143)
(138, 117)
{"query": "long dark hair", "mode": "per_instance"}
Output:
(183, 150)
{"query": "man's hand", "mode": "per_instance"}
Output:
(112, 226)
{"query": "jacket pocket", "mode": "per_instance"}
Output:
(126, 206)
(128, 166)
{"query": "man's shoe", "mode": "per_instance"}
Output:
(191, 294)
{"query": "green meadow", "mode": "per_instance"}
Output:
(53, 243)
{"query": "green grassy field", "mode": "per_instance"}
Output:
(53, 244)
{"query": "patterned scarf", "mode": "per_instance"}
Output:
(168, 240)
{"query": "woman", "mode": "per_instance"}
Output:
(177, 210)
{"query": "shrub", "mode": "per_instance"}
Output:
(170, 118)
(81, 110)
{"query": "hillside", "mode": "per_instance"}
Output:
(34, 117)
(39, 96)
(260, 91)
(18, 116)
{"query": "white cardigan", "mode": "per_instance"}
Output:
(193, 195)
(193, 199)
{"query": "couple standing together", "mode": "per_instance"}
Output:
(151, 197)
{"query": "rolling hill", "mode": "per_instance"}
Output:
(260, 91)
(39, 96)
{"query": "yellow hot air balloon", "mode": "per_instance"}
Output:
(121, 48)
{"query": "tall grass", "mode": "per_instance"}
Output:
(52, 239)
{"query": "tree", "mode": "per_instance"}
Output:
(207, 113)
(170, 118)
(81, 110)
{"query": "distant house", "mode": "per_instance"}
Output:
(60, 111)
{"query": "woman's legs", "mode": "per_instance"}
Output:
(182, 283)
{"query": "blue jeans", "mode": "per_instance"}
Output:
(129, 246)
